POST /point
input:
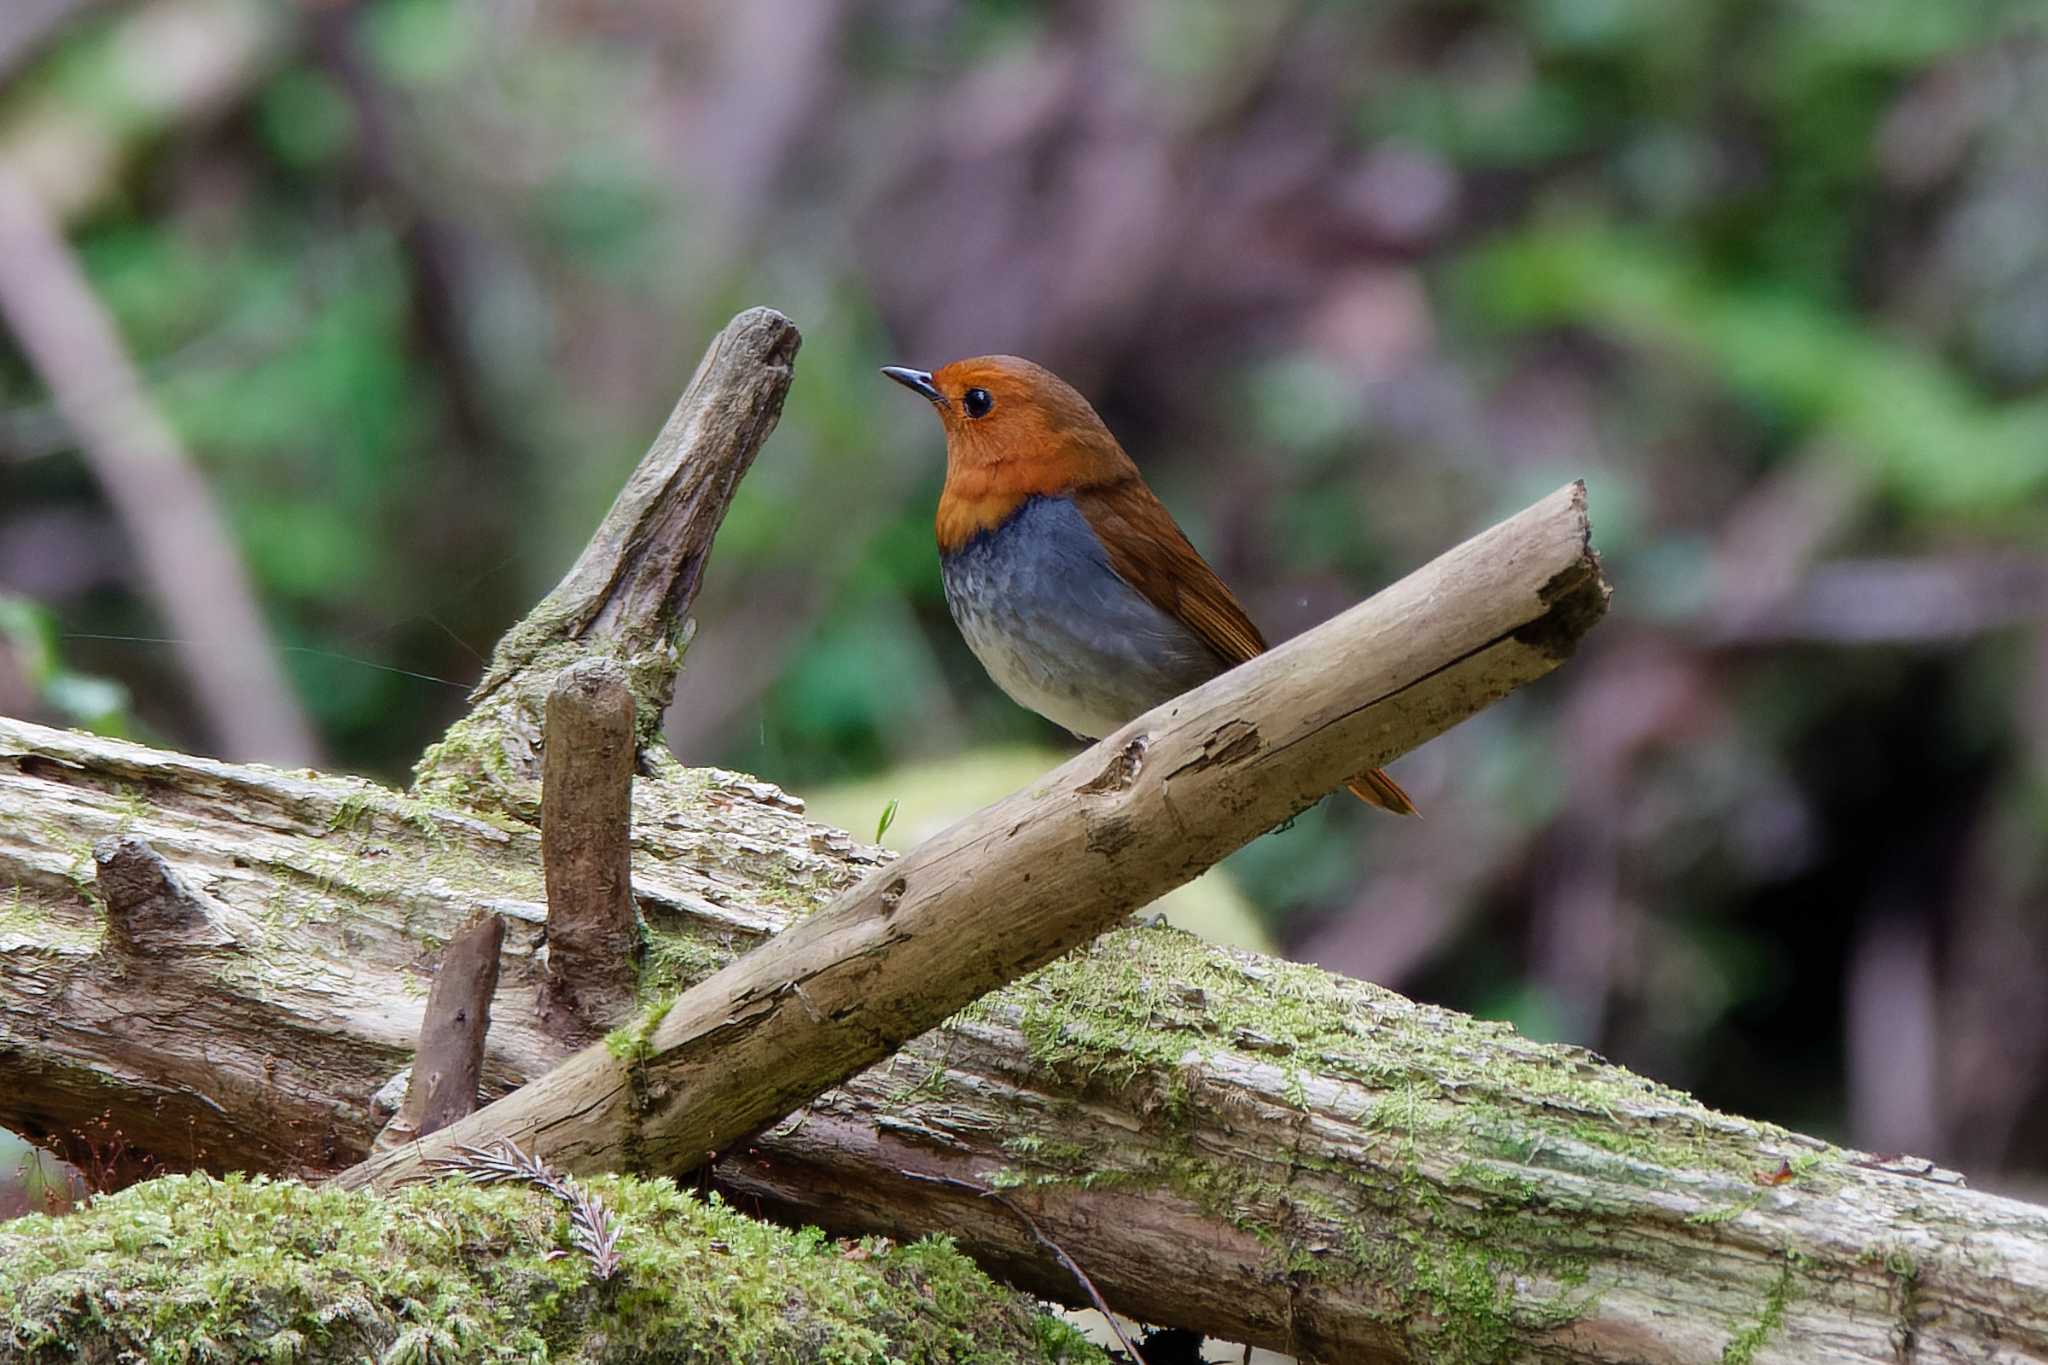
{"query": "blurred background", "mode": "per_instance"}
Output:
(328, 330)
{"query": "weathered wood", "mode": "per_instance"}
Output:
(586, 843)
(450, 1062)
(1126, 821)
(350, 890)
(628, 595)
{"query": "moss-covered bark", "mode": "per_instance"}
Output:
(191, 1268)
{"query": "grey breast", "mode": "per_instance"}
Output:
(1060, 631)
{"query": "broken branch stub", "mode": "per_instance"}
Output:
(586, 822)
(1136, 815)
(628, 596)
(150, 910)
(450, 1061)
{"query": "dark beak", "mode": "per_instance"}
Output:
(917, 381)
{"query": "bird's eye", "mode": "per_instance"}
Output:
(977, 402)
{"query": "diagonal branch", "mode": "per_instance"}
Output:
(1141, 812)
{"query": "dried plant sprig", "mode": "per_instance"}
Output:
(592, 1226)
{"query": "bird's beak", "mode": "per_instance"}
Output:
(917, 381)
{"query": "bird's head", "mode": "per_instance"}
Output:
(1014, 430)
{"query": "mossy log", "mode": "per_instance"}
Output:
(1247, 1147)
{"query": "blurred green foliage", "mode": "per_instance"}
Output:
(1928, 436)
(28, 637)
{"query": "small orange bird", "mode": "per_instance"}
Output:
(1070, 581)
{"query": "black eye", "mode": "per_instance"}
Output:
(977, 402)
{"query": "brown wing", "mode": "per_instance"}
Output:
(1147, 549)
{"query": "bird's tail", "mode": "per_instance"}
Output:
(1377, 789)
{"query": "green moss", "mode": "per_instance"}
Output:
(474, 763)
(1448, 1216)
(1500, 1182)
(188, 1267)
(1451, 1210)
(133, 807)
(82, 872)
(389, 843)
(1152, 1004)
(1463, 1290)
(22, 916)
(469, 765)
(31, 927)
(1743, 1346)
(353, 813)
(1725, 1213)
(678, 958)
(633, 1043)
(930, 1085)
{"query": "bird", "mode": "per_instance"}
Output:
(1068, 578)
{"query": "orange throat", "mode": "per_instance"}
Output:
(962, 518)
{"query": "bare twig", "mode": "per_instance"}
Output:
(586, 802)
(1045, 1243)
(450, 1061)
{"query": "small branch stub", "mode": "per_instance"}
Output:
(586, 842)
(148, 908)
(450, 1062)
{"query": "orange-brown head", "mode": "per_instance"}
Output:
(1014, 430)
